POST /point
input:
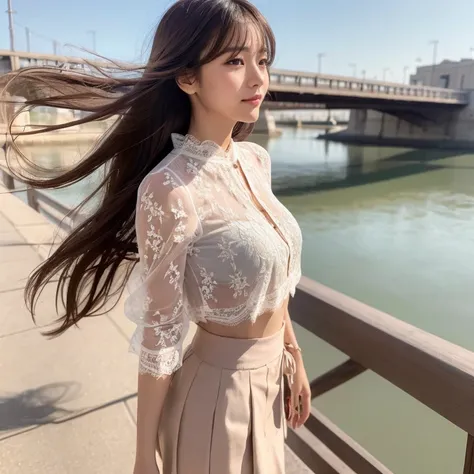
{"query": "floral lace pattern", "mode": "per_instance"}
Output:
(215, 244)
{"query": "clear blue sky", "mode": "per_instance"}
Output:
(374, 34)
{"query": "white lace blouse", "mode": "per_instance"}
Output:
(214, 242)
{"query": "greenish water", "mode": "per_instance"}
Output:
(393, 228)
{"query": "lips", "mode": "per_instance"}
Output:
(256, 99)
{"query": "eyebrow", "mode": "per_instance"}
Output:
(235, 49)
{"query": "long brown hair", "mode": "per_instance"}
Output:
(149, 106)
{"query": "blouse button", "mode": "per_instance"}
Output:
(236, 165)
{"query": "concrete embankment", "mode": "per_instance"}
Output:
(451, 128)
(370, 140)
(52, 138)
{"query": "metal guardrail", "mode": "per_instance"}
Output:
(40, 202)
(335, 84)
(278, 78)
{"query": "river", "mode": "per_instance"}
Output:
(393, 228)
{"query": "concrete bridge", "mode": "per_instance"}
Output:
(378, 107)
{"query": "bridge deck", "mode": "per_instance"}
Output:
(293, 86)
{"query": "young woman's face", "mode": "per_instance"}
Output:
(226, 84)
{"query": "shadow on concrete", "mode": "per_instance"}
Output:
(36, 406)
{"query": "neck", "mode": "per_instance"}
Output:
(215, 129)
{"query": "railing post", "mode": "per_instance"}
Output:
(31, 198)
(469, 459)
(8, 180)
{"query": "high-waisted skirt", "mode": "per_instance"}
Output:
(224, 413)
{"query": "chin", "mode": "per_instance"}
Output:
(251, 117)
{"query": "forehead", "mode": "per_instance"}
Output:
(248, 36)
(243, 35)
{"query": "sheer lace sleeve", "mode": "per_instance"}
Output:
(166, 223)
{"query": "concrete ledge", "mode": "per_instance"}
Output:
(343, 137)
(53, 138)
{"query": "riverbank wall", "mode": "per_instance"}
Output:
(453, 129)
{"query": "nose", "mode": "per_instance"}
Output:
(256, 75)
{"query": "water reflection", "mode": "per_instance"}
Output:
(325, 166)
(393, 228)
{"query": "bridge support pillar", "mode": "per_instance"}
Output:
(442, 129)
(266, 124)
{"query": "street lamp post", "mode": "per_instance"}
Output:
(418, 80)
(405, 70)
(435, 52)
(93, 33)
(10, 12)
(27, 32)
(320, 57)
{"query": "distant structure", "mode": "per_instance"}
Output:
(447, 74)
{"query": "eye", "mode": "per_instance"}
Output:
(264, 61)
(235, 62)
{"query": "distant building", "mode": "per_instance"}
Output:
(447, 74)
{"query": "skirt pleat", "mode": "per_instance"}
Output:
(172, 414)
(231, 444)
(223, 413)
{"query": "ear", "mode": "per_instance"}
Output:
(187, 83)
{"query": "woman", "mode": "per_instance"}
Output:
(215, 246)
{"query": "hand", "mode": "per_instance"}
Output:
(145, 468)
(300, 403)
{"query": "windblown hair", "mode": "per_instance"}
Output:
(149, 106)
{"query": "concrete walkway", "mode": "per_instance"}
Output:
(67, 405)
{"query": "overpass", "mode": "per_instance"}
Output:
(409, 105)
(288, 87)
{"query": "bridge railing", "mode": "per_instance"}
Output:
(299, 79)
(40, 201)
(436, 372)
(308, 81)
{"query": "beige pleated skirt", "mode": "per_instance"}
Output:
(223, 413)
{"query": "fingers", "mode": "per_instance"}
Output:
(306, 408)
(294, 407)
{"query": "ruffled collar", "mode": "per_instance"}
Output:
(205, 150)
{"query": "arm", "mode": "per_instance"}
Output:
(300, 389)
(290, 338)
(151, 396)
(166, 223)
